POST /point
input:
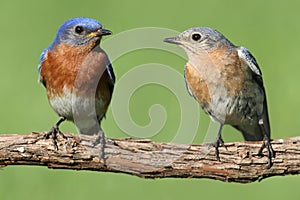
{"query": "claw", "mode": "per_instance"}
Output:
(101, 139)
(266, 144)
(219, 142)
(271, 153)
(54, 131)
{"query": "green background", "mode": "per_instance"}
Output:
(269, 29)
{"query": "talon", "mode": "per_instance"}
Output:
(47, 135)
(101, 139)
(217, 153)
(62, 135)
(266, 144)
(216, 145)
(219, 142)
(54, 138)
(270, 152)
(54, 131)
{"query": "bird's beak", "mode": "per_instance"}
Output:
(104, 32)
(172, 40)
(99, 33)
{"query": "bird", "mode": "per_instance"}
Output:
(78, 77)
(227, 82)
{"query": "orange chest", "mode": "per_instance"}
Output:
(197, 85)
(59, 71)
(224, 76)
(72, 67)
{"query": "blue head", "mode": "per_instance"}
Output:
(75, 32)
(79, 31)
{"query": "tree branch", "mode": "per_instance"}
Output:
(147, 159)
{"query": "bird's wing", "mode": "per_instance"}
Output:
(246, 57)
(42, 59)
(111, 74)
(249, 59)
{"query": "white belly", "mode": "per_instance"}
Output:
(76, 108)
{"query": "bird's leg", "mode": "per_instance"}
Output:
(101, 139)
(266, 144)
(54, 131)
(218, 142)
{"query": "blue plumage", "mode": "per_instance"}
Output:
(65, 31)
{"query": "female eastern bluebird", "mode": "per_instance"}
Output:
(226, 81)
(78, 76)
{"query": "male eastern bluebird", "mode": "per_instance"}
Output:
(226, 81)
(78, 76)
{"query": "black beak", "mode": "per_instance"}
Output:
(172, 40)
(101, 32)
(105, 32)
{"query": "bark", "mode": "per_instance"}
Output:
(144, 158)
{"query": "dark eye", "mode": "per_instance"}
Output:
(196, 36)
(78, 29)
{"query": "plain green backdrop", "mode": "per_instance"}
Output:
(269, 29)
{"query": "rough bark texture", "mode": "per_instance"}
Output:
(147, 159)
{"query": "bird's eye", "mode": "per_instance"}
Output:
(78, 29)
(196, 36)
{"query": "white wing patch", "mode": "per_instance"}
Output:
(248, 58)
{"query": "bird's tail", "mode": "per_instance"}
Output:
(255, 131)
(88, 127)
(251, 133)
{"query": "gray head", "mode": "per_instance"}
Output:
(199, 39)
(79, 31)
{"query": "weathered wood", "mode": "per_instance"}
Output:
(147, 159)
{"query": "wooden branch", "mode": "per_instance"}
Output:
(147, 159)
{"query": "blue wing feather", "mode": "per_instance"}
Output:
(111, 74)
(110, 71)
(42, 58)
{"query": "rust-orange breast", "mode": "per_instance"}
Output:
(223, 76)
(75, 67)
(197, 85)
(232, 73)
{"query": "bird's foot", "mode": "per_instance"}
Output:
(53, 132)
(266, 144)
(218, 143)
(271, 153)
(102, 140)
(99, 139)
